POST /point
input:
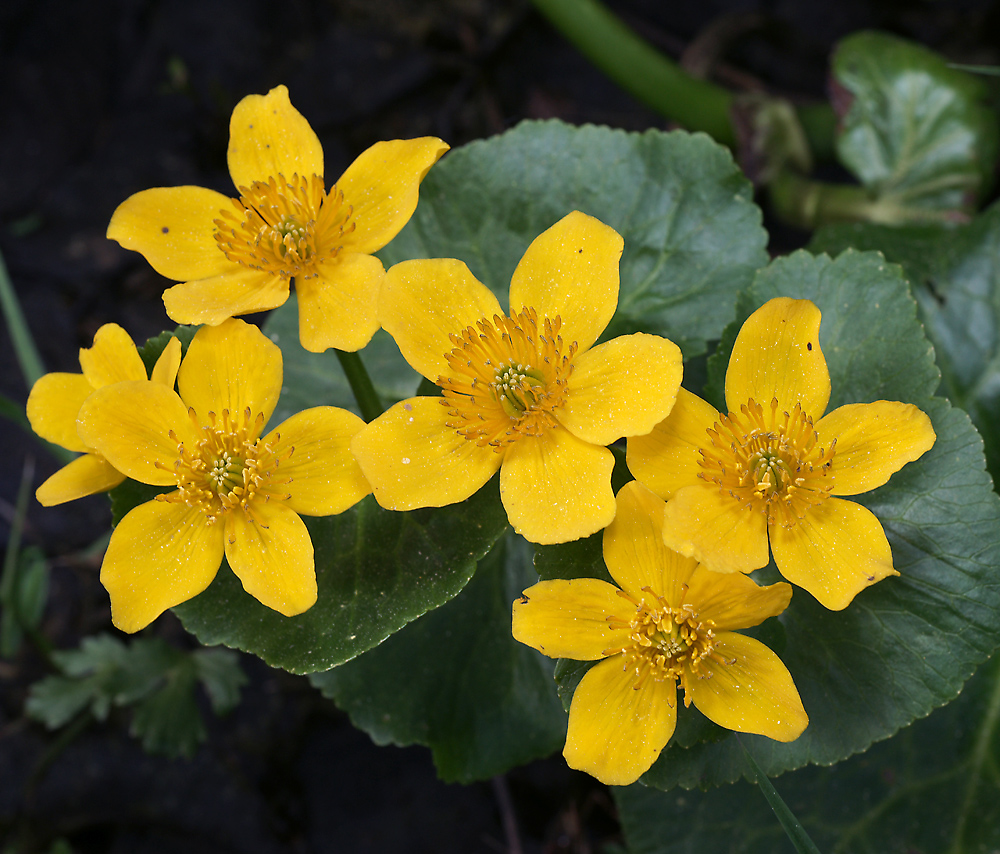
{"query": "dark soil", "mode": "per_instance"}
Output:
(101, 99)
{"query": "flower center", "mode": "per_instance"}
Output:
(226, 469)
(507, 379)
(284, 227)
(665, 642)
(769, 462)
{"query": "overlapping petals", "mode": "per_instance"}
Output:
(55, 402)
(238, 256)
(524, 392)
(238, 494)
(670, 622)
(767, 472)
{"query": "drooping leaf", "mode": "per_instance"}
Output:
(376, 570)
(693, 237)
(955, 274)
(933, 787)
(456, 681)
(915, 132)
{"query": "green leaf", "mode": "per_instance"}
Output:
(168, 720)
(220, 672)
(154, 347)
(376, 570)
(316, 379)
(907, 644)
(954, 272)
(693, 237)
(456, 681)
(915, 132)
(933, 787)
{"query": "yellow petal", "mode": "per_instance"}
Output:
(381, 187)
(273, 557)
(128, 423)
(777, 355)
(413, 459)
(339, 307)
(569, 618)
(173, 228)
(634, 550)
(423, 302)
(53, 405)
(874, 440)
(269, 137)
(752, 691)
(714, 528)
(236, 291)
(571, 270)
(161, 554)
(233, 366)
(623, 387)
(112, 359)
(733, 601)
(556, 488)
(86, 475)
(325, 477)
(835, 551)
(667, 458)
(165, 369)
(616, 731)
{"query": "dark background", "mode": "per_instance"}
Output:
(101, 99)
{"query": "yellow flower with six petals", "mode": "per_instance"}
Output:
(56, 398)
(237, 493)
(524, 392)
(771, 468)
(237, 256)
(669, 622)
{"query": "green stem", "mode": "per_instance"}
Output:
(659, 82)
(361, 384)
(809, 204)
(792, 826)
(17, 326)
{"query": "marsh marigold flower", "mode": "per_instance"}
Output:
(56, 398)
(235, 493)
(525, 392)
(770, 470)
(668, 621)
(238, 255)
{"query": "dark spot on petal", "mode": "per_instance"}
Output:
(165, 229)
(579, 251)
(809, 345)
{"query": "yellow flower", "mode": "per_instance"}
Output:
(56, 399)
(524, 392)
(236, 493)
(669, 622)
(766, 471)
(237, 256)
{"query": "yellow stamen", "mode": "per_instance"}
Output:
(229, 468)
(769, 462)
(665, 642)
(284, 226)
(508, 378)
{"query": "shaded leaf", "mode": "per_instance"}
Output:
(456, 681)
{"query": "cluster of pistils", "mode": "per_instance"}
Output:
(507, 378)
(665, 642)
(228, 468)
(769, 461)
(284, 227)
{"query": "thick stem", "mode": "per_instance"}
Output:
(659, 82)
(361, 384)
